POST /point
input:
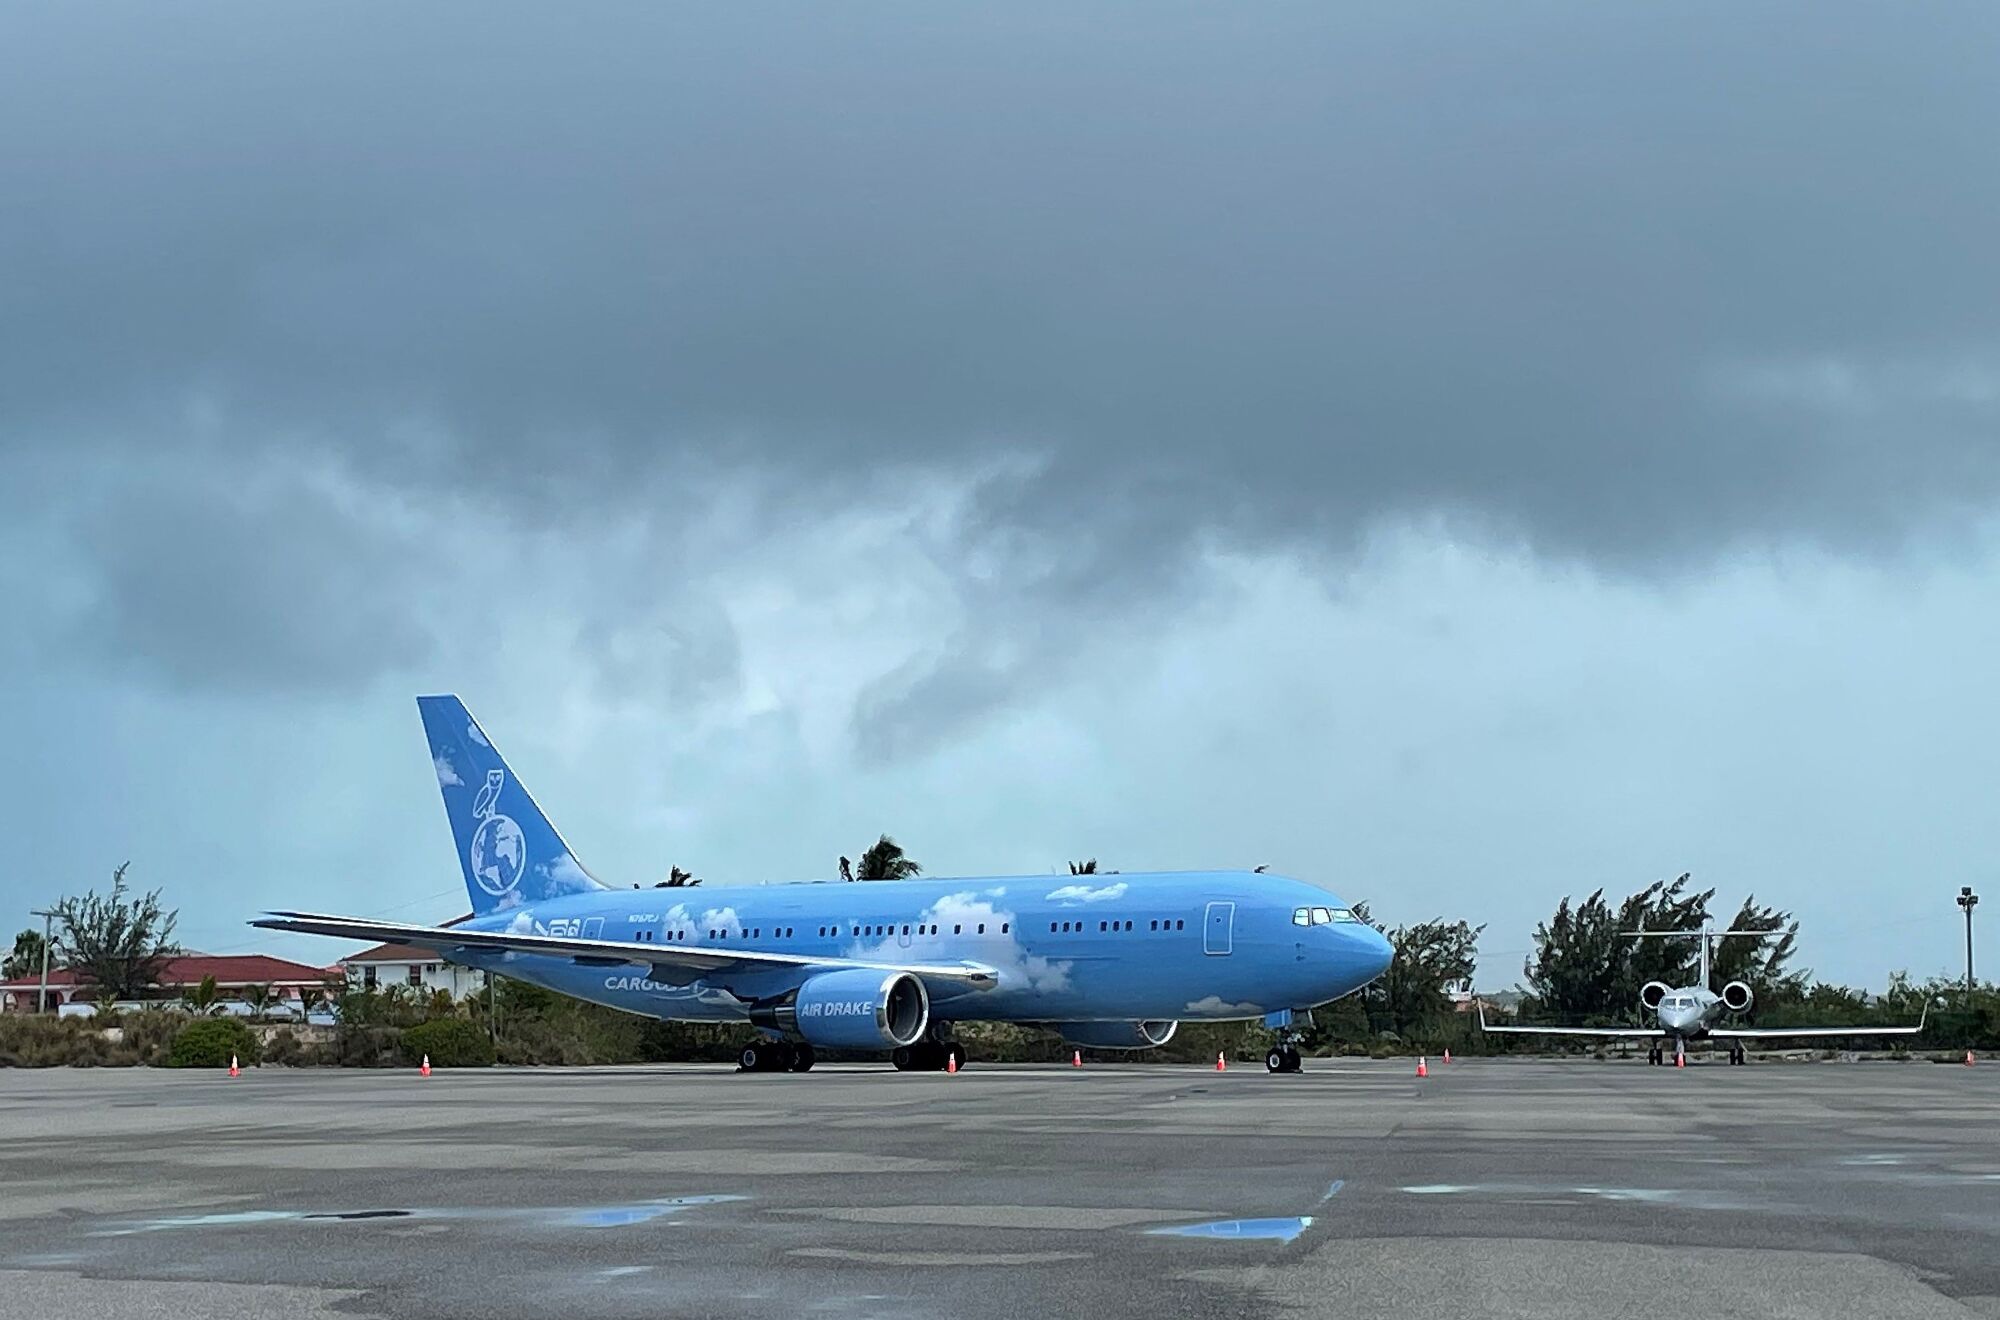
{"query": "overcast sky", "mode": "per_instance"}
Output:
(1461, 455)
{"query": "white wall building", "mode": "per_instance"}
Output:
(408, 965)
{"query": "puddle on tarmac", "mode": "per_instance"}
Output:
(597, 1216)
(1268, 1230)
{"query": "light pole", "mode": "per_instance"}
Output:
(1968, 900)
(42, 993)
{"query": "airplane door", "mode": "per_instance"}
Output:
(1217, 930)
(593, 928)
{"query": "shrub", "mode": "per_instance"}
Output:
(450, 1043)
(211, 1043)
(366, 1047)
(283, 1047)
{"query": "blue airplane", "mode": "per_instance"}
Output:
(1110, 961)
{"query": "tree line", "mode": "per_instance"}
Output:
(1586, 968)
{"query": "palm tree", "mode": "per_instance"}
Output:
(678, 879)
(1083, 868)
(846, 869)
(202, 999)
(885, 860)
(258, 997)
(26, 959)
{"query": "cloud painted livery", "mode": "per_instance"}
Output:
(873, 965)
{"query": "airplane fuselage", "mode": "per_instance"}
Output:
(1189, 946)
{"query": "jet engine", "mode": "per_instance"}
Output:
(1117, 1035)
(854, 1009)
(1736, 997)
(1651, 993)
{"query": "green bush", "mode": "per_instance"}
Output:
(212, 1043)
(449, 1043)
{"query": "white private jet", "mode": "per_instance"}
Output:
(1691, 1012)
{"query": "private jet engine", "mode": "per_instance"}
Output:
(1117, 1035)
(856, 1009)
(1736, 997)
(1651, 993)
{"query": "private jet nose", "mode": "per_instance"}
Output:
(1678, 1017)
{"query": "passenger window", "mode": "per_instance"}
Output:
(1179, 924)
(1100, 925)
(982, 927)
(957, 930)
(1152, 925)
(906, 930)
(1128, 925)
(1003, 927)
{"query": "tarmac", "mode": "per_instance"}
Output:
(1491, 1188)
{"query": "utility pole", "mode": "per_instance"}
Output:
(42, 993)
(1968, 900)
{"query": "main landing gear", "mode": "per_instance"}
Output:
(1282, 1058)
(930, 1056)
(1736, 1056)
(1657, 1055)
(775, 1056)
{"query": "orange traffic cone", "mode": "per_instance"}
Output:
(1076, 1059)
(951, 1061)
(1680, 1059)
(1968, 1058)
(1220, 1066)
(1423, 1069)
(424, 1068)
(234, 1071)
(1447, 1056)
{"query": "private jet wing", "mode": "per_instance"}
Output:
(670, 964)
(1598, 1033)
(1816, 1033)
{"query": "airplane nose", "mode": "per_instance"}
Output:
(1375, 950)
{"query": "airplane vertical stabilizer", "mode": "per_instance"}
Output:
(508, 850)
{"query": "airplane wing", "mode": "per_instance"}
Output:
(1595, 1033)
(672, 964)
(1816, 1033)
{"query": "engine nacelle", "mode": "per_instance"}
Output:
(1118, 1035)
(1651, 993)
(1736, 997)
(856, 1009)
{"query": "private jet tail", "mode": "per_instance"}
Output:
(509, 852)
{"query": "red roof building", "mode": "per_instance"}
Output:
(232, 972)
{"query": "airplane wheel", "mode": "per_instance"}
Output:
(1275, 1061)
(802, 1058)
(1292, 1061)
(903, 1057)
(755, 1058)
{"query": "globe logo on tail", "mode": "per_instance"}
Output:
(498, 854)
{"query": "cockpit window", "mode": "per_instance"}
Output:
(1301, 916)
(1322, 916)
(1344, 914)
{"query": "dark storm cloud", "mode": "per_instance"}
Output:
(232, 592)
(1632, 285)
